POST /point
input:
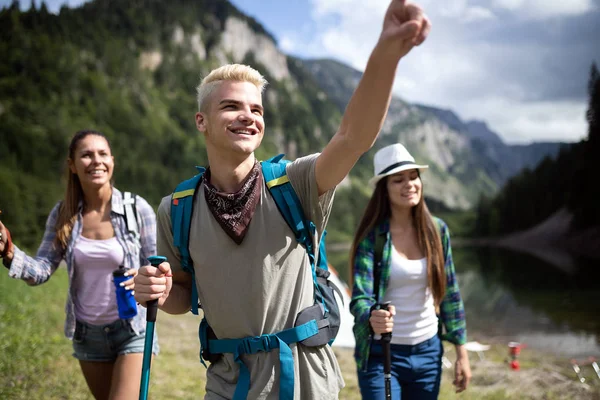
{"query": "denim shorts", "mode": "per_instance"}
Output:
(107, 342)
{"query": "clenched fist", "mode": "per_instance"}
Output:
(153, 283)
(405, 25)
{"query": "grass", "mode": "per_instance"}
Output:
(36, 361)
(35, 357)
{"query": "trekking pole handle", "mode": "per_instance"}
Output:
(152, 305)
(385, 306)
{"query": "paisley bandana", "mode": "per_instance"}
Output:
(234, 211)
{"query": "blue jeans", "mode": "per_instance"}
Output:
(416, 371)
(107, 342)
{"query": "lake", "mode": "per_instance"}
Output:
(512, 296)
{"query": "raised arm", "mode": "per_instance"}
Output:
(404, 26)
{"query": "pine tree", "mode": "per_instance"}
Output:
(593, 113)
(587, 191)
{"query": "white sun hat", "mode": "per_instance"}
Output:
(391, 160)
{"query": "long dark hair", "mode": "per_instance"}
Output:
(67, 213)
(379, 209)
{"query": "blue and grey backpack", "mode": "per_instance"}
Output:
(316, 325)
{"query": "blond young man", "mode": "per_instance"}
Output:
(252, 277)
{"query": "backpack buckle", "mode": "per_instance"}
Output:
(257, 344)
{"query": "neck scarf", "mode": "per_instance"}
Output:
(234, 211)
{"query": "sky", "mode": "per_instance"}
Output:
(522, 66)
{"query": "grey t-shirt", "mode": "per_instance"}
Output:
(258, 287)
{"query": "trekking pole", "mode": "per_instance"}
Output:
(386, 339)
(152, 308)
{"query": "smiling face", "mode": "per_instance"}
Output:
(92, 161)
(233, 118)
(404, 189)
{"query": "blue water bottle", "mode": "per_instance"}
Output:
(126, 303)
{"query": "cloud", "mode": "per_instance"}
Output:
(287, 44)
(524, 122)
(526, 75)
(541, 9)
(347, 8)
(348, 29)
(473, 14)
(465, 13)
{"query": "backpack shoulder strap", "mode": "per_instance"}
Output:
(182, 203)
(288, 203)
(130, 212)
(378, 256)
(442, 229)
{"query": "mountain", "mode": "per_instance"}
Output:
(466, 159)
(501, 161)
(129, 69)
(478, 130)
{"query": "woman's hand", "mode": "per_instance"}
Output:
(129, 283)
(462, 369)
(382, 321)
(6, 249)
(3, 238)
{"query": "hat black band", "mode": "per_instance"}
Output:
(394, 166)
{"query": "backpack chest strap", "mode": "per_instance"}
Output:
(266, 343)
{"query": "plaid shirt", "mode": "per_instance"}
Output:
(137, 249)
(452, 313)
